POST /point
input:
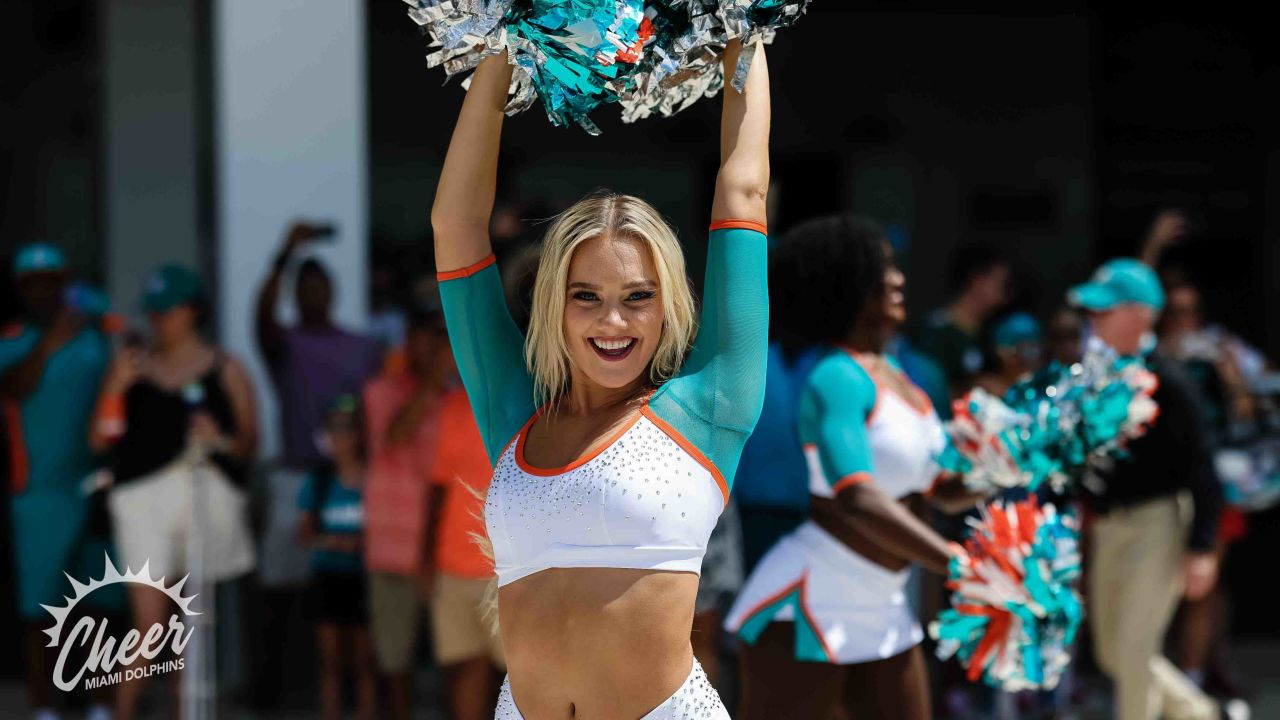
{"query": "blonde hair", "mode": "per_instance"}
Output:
(546, 349)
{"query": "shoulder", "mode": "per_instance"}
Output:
(837, 374)
(234, 370)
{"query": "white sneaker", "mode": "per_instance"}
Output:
(1236, 709)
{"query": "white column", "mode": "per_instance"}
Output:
(290, 132)
(151, 127)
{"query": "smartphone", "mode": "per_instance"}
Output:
(324, 232)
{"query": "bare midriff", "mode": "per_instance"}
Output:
(596, 642)
(829, 516)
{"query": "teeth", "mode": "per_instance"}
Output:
(611, 344)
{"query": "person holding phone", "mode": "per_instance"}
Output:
(309, 362)
(158, 402)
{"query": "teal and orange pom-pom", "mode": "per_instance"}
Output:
(649, 56)
(1014, 610)
(1050, 427)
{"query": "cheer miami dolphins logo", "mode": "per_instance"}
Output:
(108, 653)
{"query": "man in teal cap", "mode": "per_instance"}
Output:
(51, 363)
(1157, 514)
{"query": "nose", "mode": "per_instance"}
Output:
(613, 317)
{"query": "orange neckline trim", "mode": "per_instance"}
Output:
(646, 412)
(688, 447)
(467, 271)
(582, 459)
(740, 225)
(880, 386)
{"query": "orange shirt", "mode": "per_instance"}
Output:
(462, 468)
(396, 490)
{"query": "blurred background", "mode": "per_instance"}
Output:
(144, 132)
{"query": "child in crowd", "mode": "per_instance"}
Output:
(331, 500)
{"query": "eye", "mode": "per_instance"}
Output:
(585, 296)
(640, 295)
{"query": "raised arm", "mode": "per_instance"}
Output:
(464, 197)
(742, 185)
(487, 344)
(717, 398)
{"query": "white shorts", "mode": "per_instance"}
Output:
(152, 523)
(696, 698)
(846, 608)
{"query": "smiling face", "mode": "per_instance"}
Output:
(894, 304)
(613, 312)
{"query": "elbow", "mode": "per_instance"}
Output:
(452, 222)
(743, 194)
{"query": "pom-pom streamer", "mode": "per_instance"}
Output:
(651, 56)
(1049, 428)
(1014, 612)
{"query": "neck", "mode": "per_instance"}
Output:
(181, 346)
(870, 337)
(315, 321)
(586, 398)
(967, 313)
(348, 467)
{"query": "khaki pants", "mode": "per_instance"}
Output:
(1134, 587)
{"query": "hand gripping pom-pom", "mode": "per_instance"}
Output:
(1014, 613)
(1052, 426)
(651, 56)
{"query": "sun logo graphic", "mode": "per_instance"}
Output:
(109, 653)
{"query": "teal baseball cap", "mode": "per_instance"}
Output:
(1014, 330)
(169, 286)
(1122, 281)
(38, 258)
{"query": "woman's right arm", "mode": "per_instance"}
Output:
(469, 179)
(845, 397)
(487, 344)
(109, 419)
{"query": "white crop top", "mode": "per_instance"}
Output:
(648, 499)
(882, 437)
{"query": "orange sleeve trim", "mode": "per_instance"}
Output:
(850, 480)
(690, 448)
(467, 271)
(740, 225)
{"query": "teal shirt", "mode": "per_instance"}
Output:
(54, 420)
(339, 510)
(49, 449)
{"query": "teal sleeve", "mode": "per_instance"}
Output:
(307, 494)
(838, 399)
(13, 349)
(716, 399)
(489, 350)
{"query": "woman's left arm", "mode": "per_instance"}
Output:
(244, 443)
(718, 396)
(742, 185)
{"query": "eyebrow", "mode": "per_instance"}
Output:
(629, 286)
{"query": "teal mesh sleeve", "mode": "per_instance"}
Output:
(716, 399)
(489, 350)
(837, 401)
